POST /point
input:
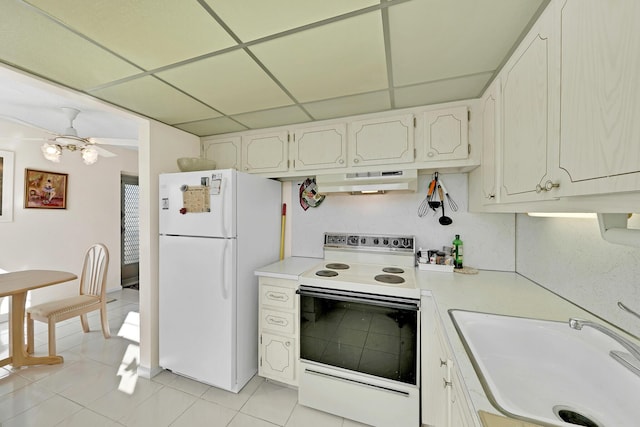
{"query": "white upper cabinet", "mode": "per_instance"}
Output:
(528, 84)
(599, 96)
(446, 135)
(224, 151)
(381, 141)
(489, 110)
(320, 147)
(266, 152)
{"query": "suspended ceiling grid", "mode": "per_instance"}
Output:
(218, 66)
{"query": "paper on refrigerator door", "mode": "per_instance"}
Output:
(196, 199)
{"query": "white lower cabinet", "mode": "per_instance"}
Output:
(278, 325)
(444, 404)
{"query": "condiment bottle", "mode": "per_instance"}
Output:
(457, 251)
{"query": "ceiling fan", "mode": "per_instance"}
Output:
(69, 140)
(89, 147)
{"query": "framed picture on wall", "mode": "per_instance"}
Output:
(6, 186)
(46, 190)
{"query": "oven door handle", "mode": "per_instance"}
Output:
(382, 302)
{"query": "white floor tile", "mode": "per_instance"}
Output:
(13, 404)
(86, 418)
(161, 409)
(117, 403)
(308, 417)
(272, 403)
(244, 420)
(45, 414)
(205, 414)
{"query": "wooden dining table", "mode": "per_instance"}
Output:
(16, 285)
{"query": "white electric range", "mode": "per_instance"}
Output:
(360, 330)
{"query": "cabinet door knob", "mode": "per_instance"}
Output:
(548, 186)
(341, 161)
(355, 160)
(288, 343)
(430, 154)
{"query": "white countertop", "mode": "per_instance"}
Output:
(289, 268)
(491, 292)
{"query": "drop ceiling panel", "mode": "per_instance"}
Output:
(337, 59)
(43, 47)
(150, 33)
(253, 19)
(153, 98)
(442, 91)
(232, 83)
(435, 40)
(274, 117)
(212, 127)
(349, 105)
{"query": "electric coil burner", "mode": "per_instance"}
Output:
(393, 270)
(337, 266)
(389, 278)
(359, 330)
(326, 273)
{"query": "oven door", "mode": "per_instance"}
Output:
(369, 334)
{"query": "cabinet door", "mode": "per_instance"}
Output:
(381, 141)
(277, 359)
(265, 152)
(225, 151)
(600, 96)
(320, 147)
(446, 135)
(527, 113)
(459, 408)
(488, 165)
(434, 367)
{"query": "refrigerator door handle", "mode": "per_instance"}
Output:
(223, 270)
(225, 229)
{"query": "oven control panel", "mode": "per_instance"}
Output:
(370, 241)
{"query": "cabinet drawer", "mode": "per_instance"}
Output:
(277, 321)
(276, 296)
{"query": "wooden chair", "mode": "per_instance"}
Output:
(91, 297)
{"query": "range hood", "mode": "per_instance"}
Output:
(368, 182)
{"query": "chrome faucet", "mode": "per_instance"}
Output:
(630, 361)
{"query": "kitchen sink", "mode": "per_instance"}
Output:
(548, 373)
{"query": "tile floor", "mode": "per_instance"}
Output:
(97, 385)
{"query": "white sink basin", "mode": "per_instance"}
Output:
(533, 369)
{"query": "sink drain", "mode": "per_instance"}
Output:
(571, 416)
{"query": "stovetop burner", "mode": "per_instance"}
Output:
(394, 270)
(326, 273)
(337, 266)
(389, 278)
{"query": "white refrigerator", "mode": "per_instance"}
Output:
(216, 228)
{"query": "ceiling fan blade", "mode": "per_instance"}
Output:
(118, 142)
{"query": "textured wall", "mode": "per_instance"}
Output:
(489, 239)
(569, 257)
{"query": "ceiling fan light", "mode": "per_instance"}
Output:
(89, 155)
(51, 152)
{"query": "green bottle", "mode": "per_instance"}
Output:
(457, 251)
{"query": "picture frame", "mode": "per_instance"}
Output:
(45, 190)
(6, 186)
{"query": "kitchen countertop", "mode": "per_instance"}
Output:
(289, 268)
(496, 292)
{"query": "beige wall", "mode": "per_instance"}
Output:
(56, 238)
(160, 146)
